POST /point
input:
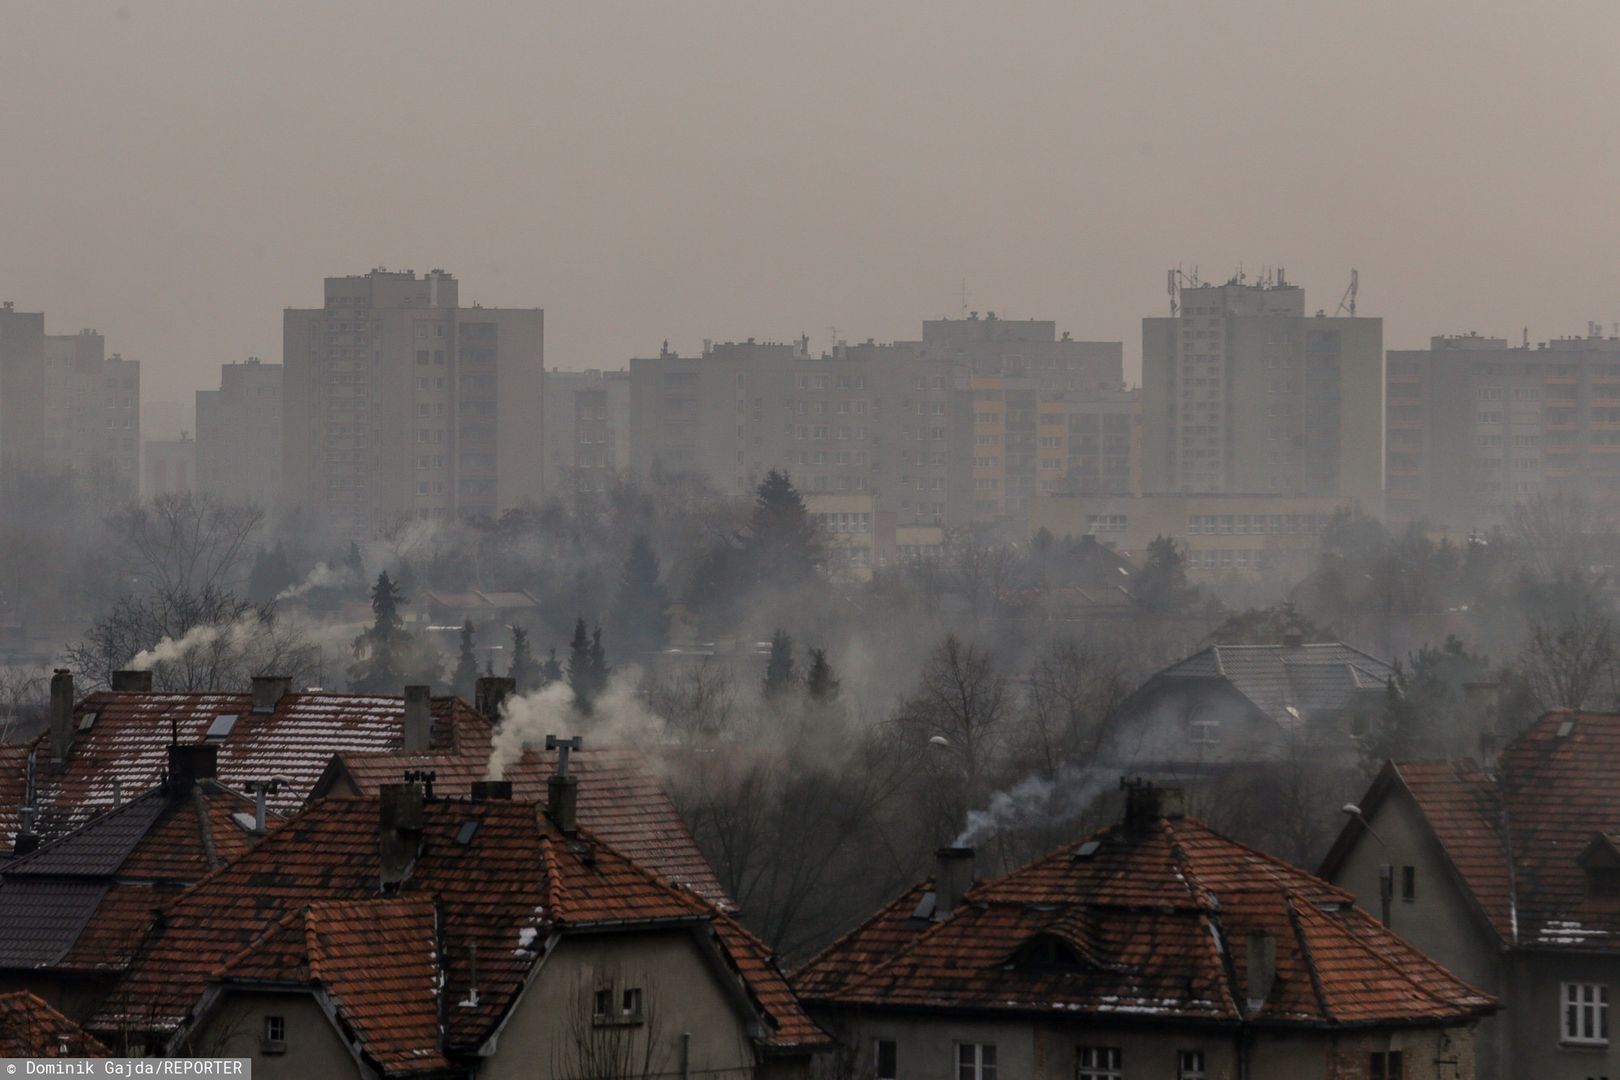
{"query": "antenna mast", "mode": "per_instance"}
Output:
(1347, 302)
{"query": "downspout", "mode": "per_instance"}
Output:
(686, 1055)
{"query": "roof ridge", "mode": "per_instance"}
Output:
(1402, 967)
(1285, 866)
(854, 931)
(1302, 941)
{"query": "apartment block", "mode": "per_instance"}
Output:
(1475, 426)
(1019, 372)
(239, 447)
(92, 416)
(1217, 533)
(1242, 392)
(168, 466)
(888, 421)
(399, 403)
(22, 389)
(586, 425)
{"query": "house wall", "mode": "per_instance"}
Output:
(313, 1047)
(1533, 1023)
(926, 1047)
(1439, 920)
(682, 994)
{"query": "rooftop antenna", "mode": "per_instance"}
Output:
(964, 298)
(1347, 302)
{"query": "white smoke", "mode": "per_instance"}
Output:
(323, 576)
(618, 718)
(202, 636)
(1038, 800)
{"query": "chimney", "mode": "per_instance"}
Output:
(132, 682)
(27, 839)
(268, 690)
(418, 719)
(1293, 639)
(953, 874)
(1145, 805)
(1260, 966)
(188, 764)
(61, 713)
(562, 800)
(492, 791)
(490, 693)
(399, 833)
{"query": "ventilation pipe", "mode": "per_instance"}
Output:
(418, 718)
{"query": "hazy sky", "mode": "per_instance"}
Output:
(175, 174)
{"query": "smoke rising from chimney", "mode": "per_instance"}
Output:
(1037, 800)
(618, 718)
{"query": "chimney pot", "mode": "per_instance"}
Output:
(562, 801)
(490, 694)
(268, 690)
(399, 832)
(418, 718)
(132, 682)
(61, 713)
(953, 875)
(188, 764)
(492, 791)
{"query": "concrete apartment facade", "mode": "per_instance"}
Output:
(1243, 392)
(1475, 426)
(1219, 534)
(1023, 376)
(168, 466)
(400, 404)
(92, 420)
(239, 449)
(887, 421)
(586, 424)
(22, 389)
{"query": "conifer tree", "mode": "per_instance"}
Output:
(465, 679)
(820, 683)
(524, 674)
(640, 608)
(779, 674)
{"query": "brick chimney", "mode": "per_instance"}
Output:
(132, 682)
(188, 764)
(1260, 968)
(953, 874)
(61, 714)
(418, 718)
(490, 693)
(562, 803)
(1145, 805)
(399, 833)
(492, 791)
(268, 690)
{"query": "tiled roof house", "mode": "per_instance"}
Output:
(1509, 873)
(1154, 948)
(406, 936)
(30, 1028)
(72, 911)
(1246, 703)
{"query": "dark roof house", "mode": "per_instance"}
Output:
(30, 1028)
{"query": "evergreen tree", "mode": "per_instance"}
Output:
(640, 608)
(271, 575)
(552, 669)
(784, 544)
(353, 563)
(387, 656)
(579, 667)
(779, 674)
(465, 679)
(524, 674)
(1161, 585)
(599, 667)
(820, 683)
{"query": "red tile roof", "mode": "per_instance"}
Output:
(82, 901)
(129, 737)
(31, 1028)
(1514, 840)
(1152, 925)
(621, 799)
(504, 888)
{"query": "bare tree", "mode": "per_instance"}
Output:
(1071, 691)
(185, 543)
(607, 1035)
(1574, 664)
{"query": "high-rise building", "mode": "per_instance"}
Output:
(22, 389)
(1019, 370)
(1242, 392)
(1476, 426)
(586, 424)
(239, 435)
(169, 466)
(400, 403)
(882, 420)
(92, 416)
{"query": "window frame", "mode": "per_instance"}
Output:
(1581, 1010)
(893, 1070)
(1099, 1063)
(982, 1064)
(1387, 1065)
(273, 1036)
(1192, 1065)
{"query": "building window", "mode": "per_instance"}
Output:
(275, 1035)
(1100, 1063)
(975, 1061)
(1386, 1066)
(888, 1058)
(1191, 1065)
(1586, 1014)
(1408, 883)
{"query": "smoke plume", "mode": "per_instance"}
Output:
(323, 576)
(1038, 800)
(618, 717)
(198, 637)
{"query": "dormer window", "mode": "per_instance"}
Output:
(1600, 860)
(1603, 880)
(1045, 951)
